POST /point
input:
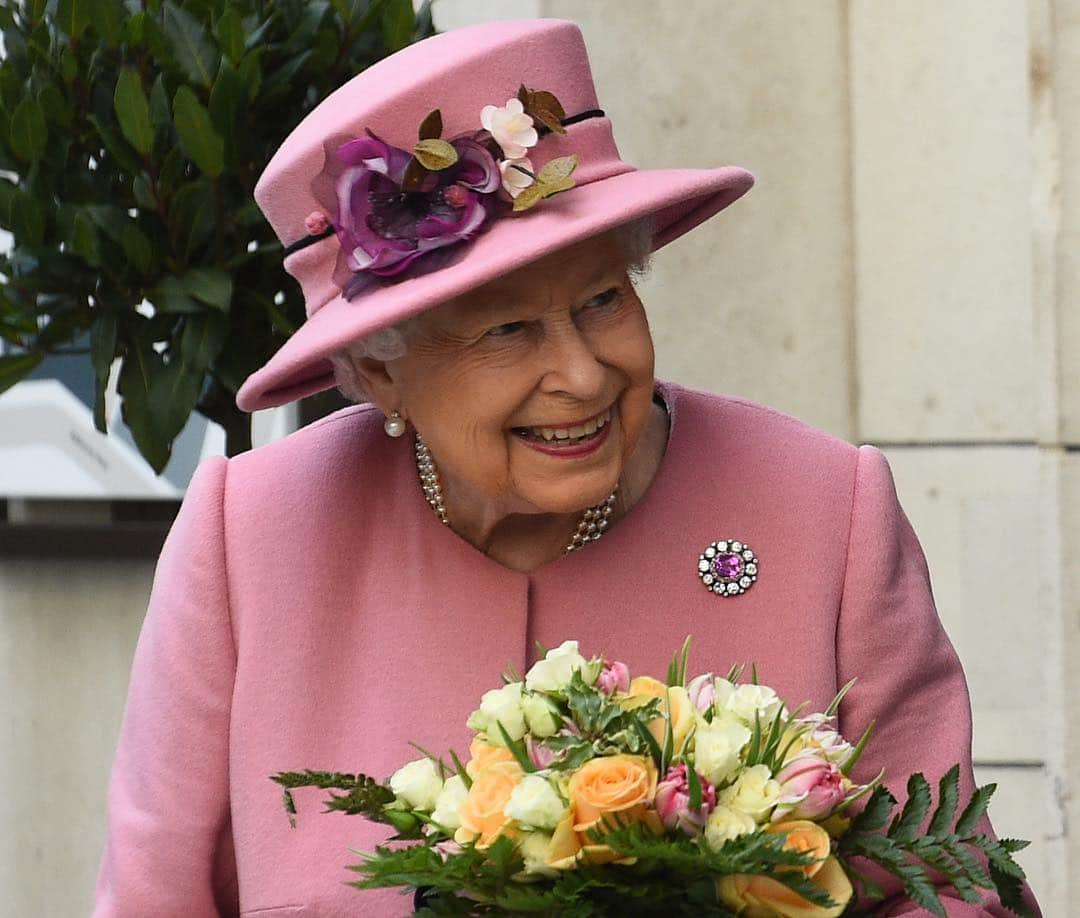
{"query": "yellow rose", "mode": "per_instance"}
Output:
(763, 895)
(482, 814)
(482, 754)
(682, 714)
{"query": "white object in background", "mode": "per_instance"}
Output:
(49, 448)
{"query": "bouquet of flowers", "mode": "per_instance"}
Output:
(588, 791)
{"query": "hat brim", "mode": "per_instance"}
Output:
(680, 199)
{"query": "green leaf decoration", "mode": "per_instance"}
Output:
(975, 809)
(435, 154)
(202, 144)
(948, 794)
(28, 131)
(556, 170)
(905, 827)
(191, 44)
(133, 111)
(431, 126)
(517, 748)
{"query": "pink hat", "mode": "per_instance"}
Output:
(331, 190)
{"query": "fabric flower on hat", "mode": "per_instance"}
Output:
(512, 129)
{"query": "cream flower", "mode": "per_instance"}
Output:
(717, 746)
(754, 792)
(417, 784)
(725, 824)
(745, 699)
(554, 672)
(449, 802)
(512, 129)
(514, 181)
(500, 706)
(534, 802)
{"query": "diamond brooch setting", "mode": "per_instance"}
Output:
(728, 567)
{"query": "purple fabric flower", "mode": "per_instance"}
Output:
(384, 229)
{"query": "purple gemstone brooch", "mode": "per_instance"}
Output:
(728, 567)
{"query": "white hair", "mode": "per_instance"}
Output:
(634, 238)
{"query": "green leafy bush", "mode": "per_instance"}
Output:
(131, 137)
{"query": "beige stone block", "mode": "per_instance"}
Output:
(1023, 806)
(755, 301)
(942, 218)
(67, 636)
(977, 514)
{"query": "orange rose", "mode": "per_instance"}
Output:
(644, 688)
(765, 895)
(482, 816)
(622, 784)
(482, 754)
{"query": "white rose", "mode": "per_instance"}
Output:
(513, 179)
(754, 793)
(541, 716)
(417, 784)
(717, 746)
(500, 706)
(554, 672)
(534, 849)
(534, 802)
(447, 807)
(746, 699)
(725, 824)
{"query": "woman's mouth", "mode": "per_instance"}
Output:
(567, 440)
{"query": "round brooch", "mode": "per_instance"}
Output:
(728, 567)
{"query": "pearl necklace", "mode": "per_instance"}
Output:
(594, 521)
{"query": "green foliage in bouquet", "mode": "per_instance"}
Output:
(906, 853)
(131, 137)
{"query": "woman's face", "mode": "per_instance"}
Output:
(533, 390)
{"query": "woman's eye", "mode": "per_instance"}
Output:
(606, 298)
(501, 331)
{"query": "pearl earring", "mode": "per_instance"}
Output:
(394, 425)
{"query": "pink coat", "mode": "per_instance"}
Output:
(309, 611)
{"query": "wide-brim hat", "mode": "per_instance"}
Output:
(458, 72)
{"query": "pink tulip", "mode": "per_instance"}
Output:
(810, 788)
(702, 692)
(672, 802)
(614, 677)
(540, 755)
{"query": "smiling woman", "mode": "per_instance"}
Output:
(333, 596)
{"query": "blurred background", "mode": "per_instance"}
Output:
(905, 273)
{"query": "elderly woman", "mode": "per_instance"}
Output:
(513, 474)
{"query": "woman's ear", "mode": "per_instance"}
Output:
(376, 378)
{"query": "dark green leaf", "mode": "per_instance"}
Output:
(202, 144)
(695, 787)
(140, 366)
(160, 114)
(135, 29)
(108, 20)
(251, 72)
(174, 392)
(132, 110)
(56, 107)
(191, 44)
(84, 240)
(229, 32)
(210, 286)
(973, 812)
(905, 827)
(16, 367)
(111, 220)
(172, 296)
(191, 216)
(144, 195)
(948, 792)
(27, 218)
(228, 99)
(115, 145)
(73, 16)
(876, 812)
(137, 249)
(398, 23)
(28, 131)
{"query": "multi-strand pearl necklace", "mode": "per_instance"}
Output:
(594, 521)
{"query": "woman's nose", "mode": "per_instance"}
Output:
(572, 364)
